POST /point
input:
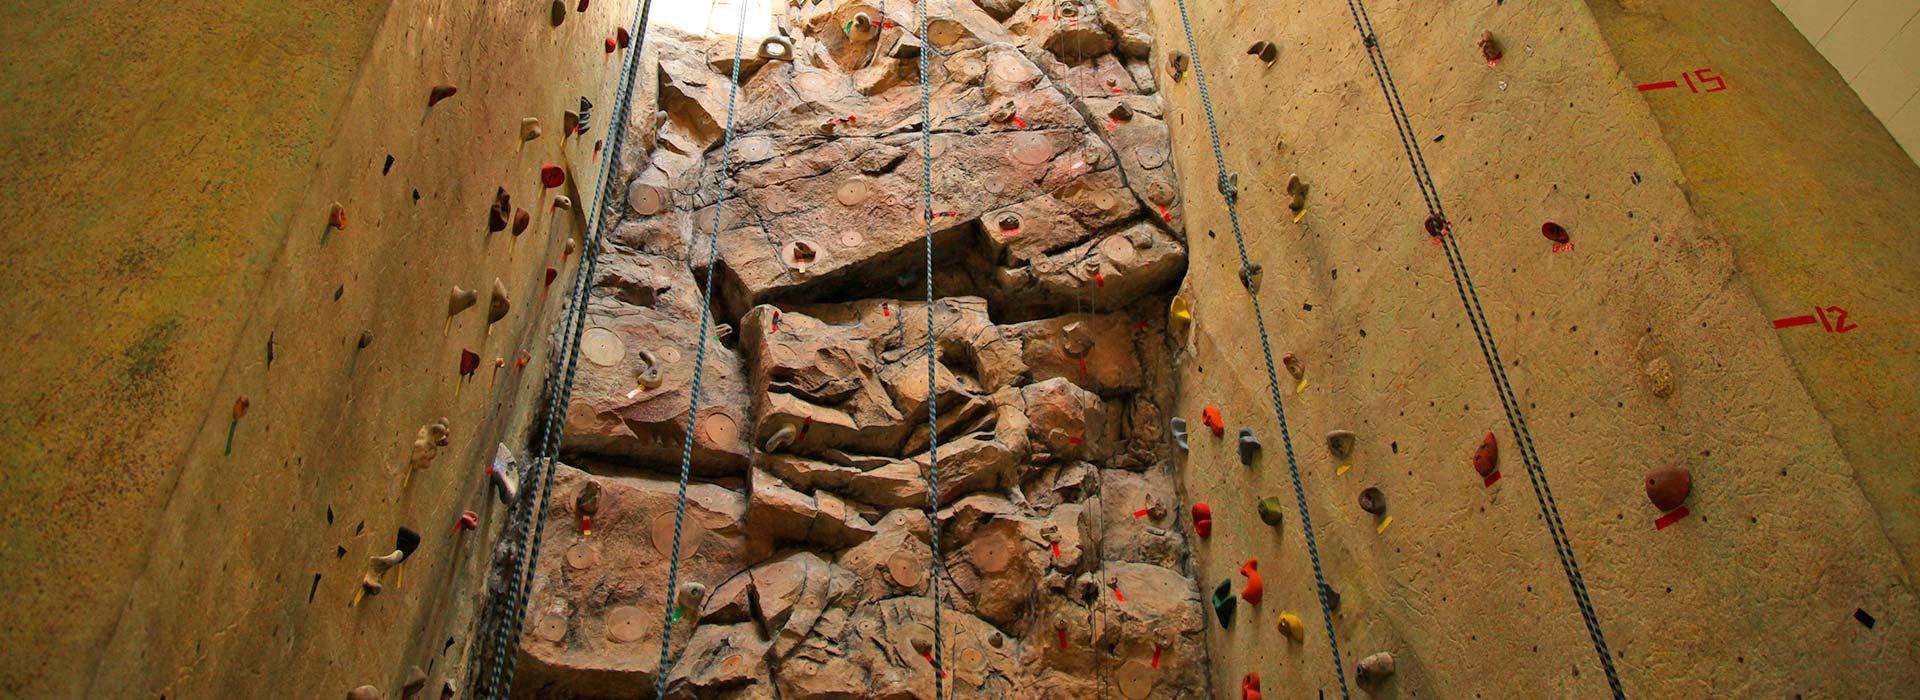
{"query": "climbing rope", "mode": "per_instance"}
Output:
(559, 388)
(699, 364)
(1483, 333)
(933, 411)
(1228, 193)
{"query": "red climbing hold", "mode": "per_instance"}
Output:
(1668, 487)
(469, 362)
(1554, 232)
(1250, 686)
(582, 7)
(521, 220)
(1211, 418)
(1486, 458)
(1255, 588)
(337, 216)
(552, 274)
(1203, 520)
(552, 176)
(440, 92)
(468, 521)
(622, 38)
(1436, 226)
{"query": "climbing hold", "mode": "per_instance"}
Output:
(1176, 65)
(1203, 520)
(1333, 597)
(587, 503)
(497, 305)
(521, 220)
(440, 92)
(612, 45)
(1179, 432)
(1490, 49)
(569, 121)
(552, 275)
(585, 117)
(1250, 277)
(529, 129)
(1249, 446)
(416, 681)
(427, 443)
(566, 251)
(366, 338)
(1436, 226)
(240, 406)
(776, 48)
(1078, 342)
(461, 300)
(1374, 669)
(1180, 314)
(1340, 443)
(366, 692)
(800, 255)
(563, 202)
(1290, 626)
(1224, 602)
(448, 689)
(552, 176)
(648, 375)
(1299, 371)
(621, 37)
(1668, 487)
(1250, 686)
(469, 361)
(1271, 511)
(692, 594)
(1373, 500)
(468, 520)
(1298, 191)
(782, 437)
(1554, 232)
(1120, 112)
(557, 12)
(1266, 50)
(1210, 417)
(582, 7)
(501, 210)
(1254, 588)
(404, 542)
(1486, 457)
(505, 475)
(337, 217)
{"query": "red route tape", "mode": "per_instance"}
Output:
(1056, 550)
(1122, 597)
(1792, 321)
(1658, 86)
(1670, 518)
(1140, 513)
(1156, 656)
(1491, 478)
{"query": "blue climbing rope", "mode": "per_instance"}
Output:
(1266, 349)
(933, 411)
(699, 364)
(1483, 333)
(529, 524)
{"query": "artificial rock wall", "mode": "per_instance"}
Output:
(1058, 238)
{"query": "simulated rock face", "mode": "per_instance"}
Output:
(1057, 243)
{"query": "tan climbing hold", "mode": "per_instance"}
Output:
(366, 692)
(1176, 65)
(1374, 669)
(415, 682)
(497, 304)
(461, 300)
(337, 216)
(1297, 190)
(427, 443)
(563, 202)
(649, 374)
(1294, 367)
(529, 129)
(776, 48)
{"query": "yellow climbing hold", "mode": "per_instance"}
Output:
(1179, 315)
(1290, 626)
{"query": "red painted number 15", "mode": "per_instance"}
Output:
(1712, 82)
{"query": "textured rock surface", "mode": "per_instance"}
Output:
(1057, 234)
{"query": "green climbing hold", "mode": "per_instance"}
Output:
(1224, 602)
(1270, 511)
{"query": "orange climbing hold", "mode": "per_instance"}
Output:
(1254, 588)
(469, 362)
(552, 176)
(1211, 418)
(521, 220)
(612, 45)
(1203, 520)
(1486, 458)
(440, 92)
(1250, 686)
(337, 216)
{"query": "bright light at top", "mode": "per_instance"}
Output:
(715, 17)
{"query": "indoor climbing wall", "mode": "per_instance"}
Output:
(806, 547)
(1725, 535)
(300, 267)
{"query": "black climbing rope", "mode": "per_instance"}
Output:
(667, 616)
(526, 523)
(933, 411)
(1442, 231)
(1231, 196)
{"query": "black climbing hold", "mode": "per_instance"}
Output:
(1436, 226)
(1863, 617)
(366, 338)
(384, 169)
(1249, 446)
(1333, 597)
(406, 540)
(1250, 277)
(1554, 232)
(440, 92)
(1224, 602)
(1372, 500)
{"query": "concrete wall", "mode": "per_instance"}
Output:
(1649, 344)
(174, 167)
(1875, 45)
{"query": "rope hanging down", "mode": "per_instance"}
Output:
(559, 387)
(1266, 349)
(1442, 231)
(699, 363)
(933, 412)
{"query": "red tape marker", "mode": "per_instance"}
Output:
(1156, 656)
(1083, 366)
(1073, 440)
(1670, 518)
(1792, 321)
(1122, 597)
(1492, 478)
(1018, 123)
(1164, 214)
(1056, 550)
(1658, 86)
(1063, 639)
(1140, 513)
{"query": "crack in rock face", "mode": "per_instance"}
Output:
(1057, 239)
